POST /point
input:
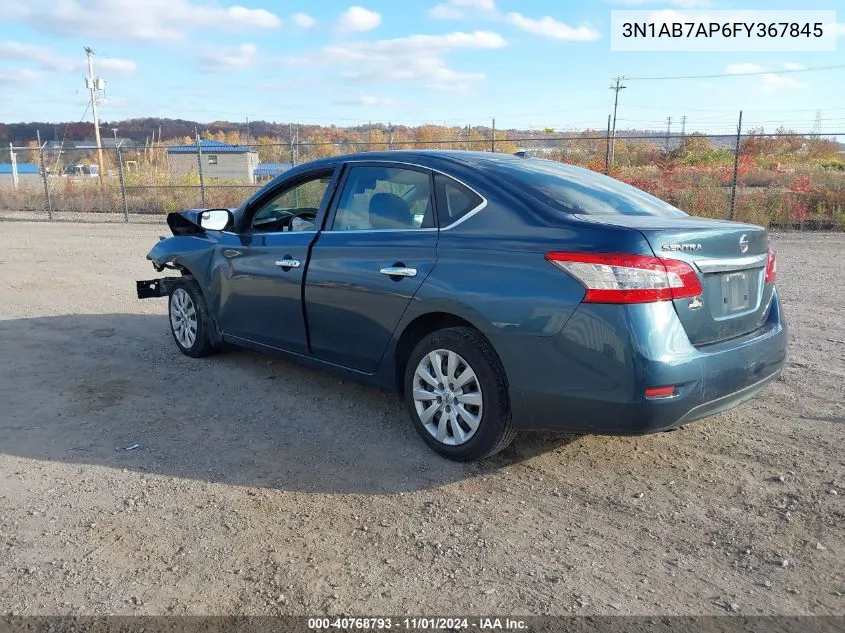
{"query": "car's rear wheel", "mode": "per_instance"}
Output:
(189, 321)
(457, 397)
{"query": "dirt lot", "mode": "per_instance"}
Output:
(263, 487)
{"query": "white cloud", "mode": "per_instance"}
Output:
(793, 66)
(773, 83)
(18, 76)
(363, 100)
(742, 68)
(681, 4)
(768, 81)
(115, 66)
(40, 55)
(303, 20)
(547, 26)
(229, 58)
(47, 60)
(417, 59)
(357, 19)
(458, 9)
(147, 20)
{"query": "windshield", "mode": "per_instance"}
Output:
(582, 191)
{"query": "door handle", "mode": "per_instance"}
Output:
(399, 271)
(288, 263)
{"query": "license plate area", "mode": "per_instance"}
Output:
(736, 292)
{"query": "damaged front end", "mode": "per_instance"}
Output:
(152, 288)
(188, 251)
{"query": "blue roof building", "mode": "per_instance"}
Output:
(210, 147)
(23, 168)
(220, 162)
(268, 171)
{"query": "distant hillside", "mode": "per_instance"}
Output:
(150, 130)
(153, 129)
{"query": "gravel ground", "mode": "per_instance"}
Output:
(261, 487)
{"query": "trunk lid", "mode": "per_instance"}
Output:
(729, 259)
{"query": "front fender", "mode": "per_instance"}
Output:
(192, 252)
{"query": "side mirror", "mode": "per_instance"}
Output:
(216, 219)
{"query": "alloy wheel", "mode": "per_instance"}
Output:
(447, 397)
(183, 318)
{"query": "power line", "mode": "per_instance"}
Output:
(756, 72)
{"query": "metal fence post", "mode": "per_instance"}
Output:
(199, 169)
(607, 151)
(122, 182)
(493, 138)
(736, 167)
(47, 202)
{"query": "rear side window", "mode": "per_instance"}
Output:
(582, 191)
(454, 200)
(380, 198)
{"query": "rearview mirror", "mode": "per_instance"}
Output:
(216, 219)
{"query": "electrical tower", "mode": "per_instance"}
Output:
(616, 87)
(817, 124)
(668, 131)
(95, 86)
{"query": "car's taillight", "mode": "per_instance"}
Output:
(621, 278)
(771, 267)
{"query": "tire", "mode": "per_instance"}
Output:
(189, 321)
(482, 398)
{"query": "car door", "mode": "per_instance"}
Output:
(378, 245)
(262, 267)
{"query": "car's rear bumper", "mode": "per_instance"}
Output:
(592, 376)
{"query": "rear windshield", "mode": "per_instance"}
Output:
(582, 191)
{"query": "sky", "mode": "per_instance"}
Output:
(528, 63)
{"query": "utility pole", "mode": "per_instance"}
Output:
(736, 166)
(616, 88)
(607, 153)
(199, 167)
(13, 158)
(93, 86)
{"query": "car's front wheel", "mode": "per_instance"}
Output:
(189, 322)
(457, 396)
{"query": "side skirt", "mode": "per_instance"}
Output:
(375, 380)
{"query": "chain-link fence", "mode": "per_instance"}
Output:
(786, 180)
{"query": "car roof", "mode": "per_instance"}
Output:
(425, 158)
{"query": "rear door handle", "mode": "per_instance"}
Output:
(288, 263)
(399, 271)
